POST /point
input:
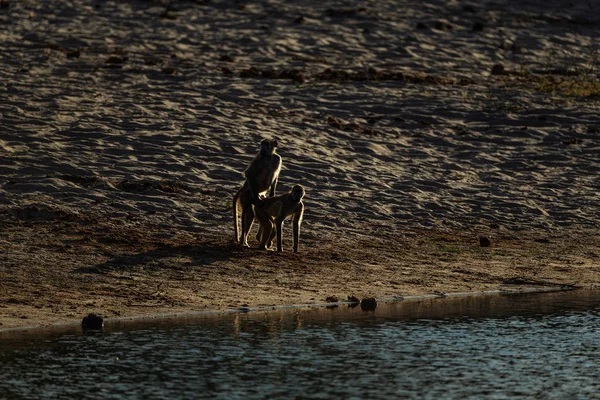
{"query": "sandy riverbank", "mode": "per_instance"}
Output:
(124, 127)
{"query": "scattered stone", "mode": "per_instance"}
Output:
(227, 71)
(495, 226)
(498, 69)
(73, 53)
(484, 242)
(477, 27)
(251, 72)
(168, 70)
(469, 8)
(254, 72)
(226, 58)
(353, 300)
(4, 3)
(368, 304)
(443, 25)
(421, 25)
(300, 20)
(331, 299)
(542, 240)
(92, 321)
(347, 12)
(116, 60)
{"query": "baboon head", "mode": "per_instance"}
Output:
(298, 192)
(267, 147)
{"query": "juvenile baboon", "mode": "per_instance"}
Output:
(274, 211)
(261, 181)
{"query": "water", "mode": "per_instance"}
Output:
(519, 346)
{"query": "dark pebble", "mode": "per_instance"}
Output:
(353, 299)
(477, 27)
(442, 26)
(116, 60)
(92, 321)
(498, 69)
(421, 25)
(226, 58)
(332, 299)
(484, 242)
(73, 53)
(368, 304)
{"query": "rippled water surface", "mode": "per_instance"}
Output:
(528, 346)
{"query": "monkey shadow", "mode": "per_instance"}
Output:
(202, 254)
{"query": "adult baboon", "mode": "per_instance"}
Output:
(274, 211)
(261, 181)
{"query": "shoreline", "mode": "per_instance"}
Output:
(148, 319)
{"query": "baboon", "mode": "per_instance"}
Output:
(274, 211)
(261, 181)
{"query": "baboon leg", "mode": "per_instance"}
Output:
(247, 220)
(278, 227)
(266, 225)
(236, 222)
(272, 236)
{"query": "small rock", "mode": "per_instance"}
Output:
(484, 242)
(442, 25)
(368, 304)
(477, 27)
(73, 53)
(226, 58)
(92, 321)
(421, 25)
(469, 8)
(498, 69)
(300, 20)
(332, 299)
(353, 300)
(168, 70)
(495, 226)
(116, 60)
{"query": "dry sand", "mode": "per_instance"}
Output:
(125, 125)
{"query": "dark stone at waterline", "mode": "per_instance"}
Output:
(353, 300)
(484, 242)
(332, 299)
(92, 321)
(368, 304)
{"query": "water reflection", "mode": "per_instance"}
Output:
(487, 346)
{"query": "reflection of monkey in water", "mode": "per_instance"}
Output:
(274, 211)
(261, 181)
